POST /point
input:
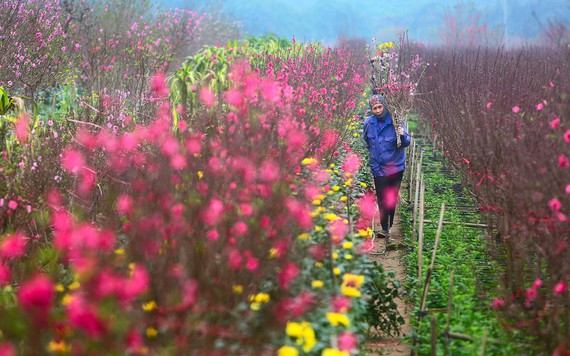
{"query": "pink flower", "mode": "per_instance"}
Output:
(539, 106)
(341, 304)
(251, 263)
(351, 163)
(5, 275)
(562, 161)
(72, 160)
(567, 189)
(347, 341)
(36, 295)
(287, 275)
(7, 349)
(390, 197)
(498, 303)
(537, 283)
(367, 206)
(13, 246)
(213, 212)
(560, 287)
(300, 212)
(269, 171)
(567, 136)
(207, 97)
(234, 259)
(234, 98)
(124, 204)
(12, 205)
(489, 104)
(554, 204)
(84, 317)
(158, 85)
(239, 228)
(22, 128)
(555, 122)
(516, 109)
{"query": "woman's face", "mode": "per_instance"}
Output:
(377, 109)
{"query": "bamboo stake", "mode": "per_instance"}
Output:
(449, 306)
(484, 343)
(459, 223)
(421, 230)
(417, 181)
(430, 268)
(412, 165)
(433, 340)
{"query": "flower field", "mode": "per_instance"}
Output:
(155, 201)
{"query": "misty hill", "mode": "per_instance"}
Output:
(326, 20)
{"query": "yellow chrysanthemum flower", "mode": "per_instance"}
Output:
(316, 202)
(317, 284)
(200, 174)
(304, 236)
(336, 271)
(59, 288)
(331, 217)
(151, 332)
(334, 352)
(308, 161)
(363, 185)
(348, 257)
(336, 188)
(343, 198)
(337, 319)
(287, 351)
(319, 264)
(150, 306)
(237, 288)
(119, 252)
(318, 228)
(347, 245)
(304, 334)
(58, 347)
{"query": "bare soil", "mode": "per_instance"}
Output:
(389, 257)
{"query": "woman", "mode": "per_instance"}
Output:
(387, 160)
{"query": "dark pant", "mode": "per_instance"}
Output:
(387, 189)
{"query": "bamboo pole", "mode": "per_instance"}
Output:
(484, 343)
(415, 211)
(432, 263)
(458, 223)
(433, 340)
(421, 229)
(449, 309)
(412, 165)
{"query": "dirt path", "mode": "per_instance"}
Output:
(391, 261)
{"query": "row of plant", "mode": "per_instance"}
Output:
(463, 252)
(500, 116)
(224, 204)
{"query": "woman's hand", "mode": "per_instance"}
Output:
(400, 131)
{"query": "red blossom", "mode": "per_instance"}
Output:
(560, 287)
(22, 128)
(288, 273)
(13, 246)
(347, 341)
(36, 297)
(207, 97)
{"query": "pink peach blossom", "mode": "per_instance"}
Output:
(563, 161)
(567, 136)
(560, 287)
(516, 109)
(13, 246)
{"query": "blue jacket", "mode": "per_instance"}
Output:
(385, 157)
